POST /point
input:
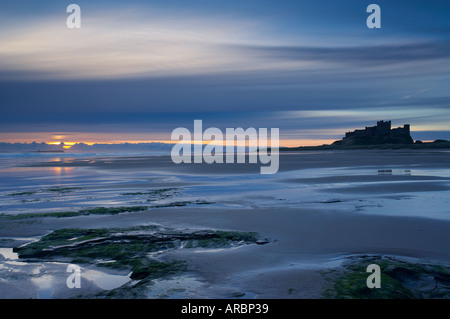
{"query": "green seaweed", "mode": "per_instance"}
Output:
(63, 189)
(23, 201)
(172, 204)
(59, 237)
(399, 280)
(22, 193)
(148, 268)
(182, 204)
(60, 190)
(154, 195)
(127, 248)
(221, 238)
(90, 211)
(225, 237)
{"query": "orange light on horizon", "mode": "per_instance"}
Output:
(305, 142)
(282, 143)
(91, 139)
(67, 145)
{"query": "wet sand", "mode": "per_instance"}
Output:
(306, 234)
(288, 161)
(302, 242)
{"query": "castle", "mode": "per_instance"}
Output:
(383, 128)
(382, 133)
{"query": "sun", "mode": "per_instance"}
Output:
(67, 145)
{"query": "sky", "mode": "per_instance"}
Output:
(136, 70)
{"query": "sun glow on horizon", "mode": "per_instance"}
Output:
(66, 145)
(287, 138)
(282, 143)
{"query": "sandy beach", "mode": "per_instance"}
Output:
(320, 212)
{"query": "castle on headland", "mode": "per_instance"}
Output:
(379, 137)
(383, 128)
(382, 133)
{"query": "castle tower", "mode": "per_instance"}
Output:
(383, 127)
(406, 128)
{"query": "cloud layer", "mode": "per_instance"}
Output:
(310, 68)
(134, 44)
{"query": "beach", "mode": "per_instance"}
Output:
(322, 211)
